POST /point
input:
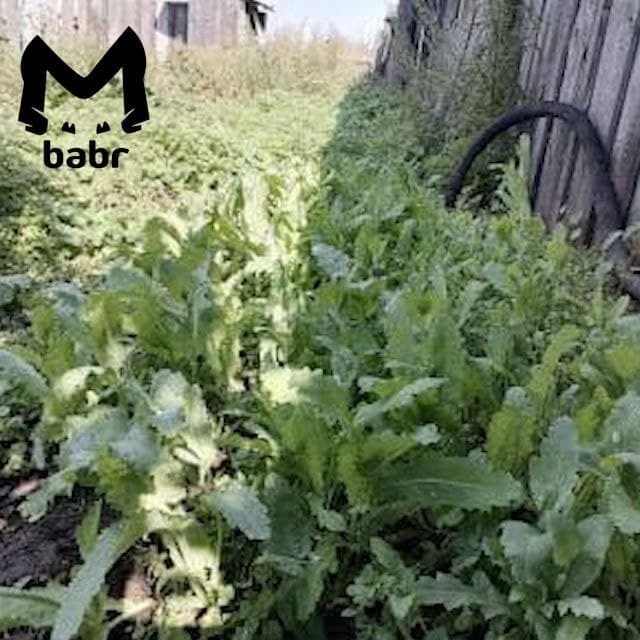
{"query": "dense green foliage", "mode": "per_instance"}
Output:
(317, 405)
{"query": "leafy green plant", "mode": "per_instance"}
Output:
(312, 403)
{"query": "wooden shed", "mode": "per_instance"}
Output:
(162, 24)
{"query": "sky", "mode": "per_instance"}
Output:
(356, 19)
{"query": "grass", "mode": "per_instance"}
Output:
(66, 223)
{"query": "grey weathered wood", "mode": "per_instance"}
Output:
(589, 55)
(575, 169)
(211, 22)
(117, 20)
(97, 21)
(535, 86)
(626, 146)
(550, 77)
(82, 17)
(65, 20)
(531, 27)
(10, 20)
(634, 208)
(608, 91)
(147, 23)
(560, 153)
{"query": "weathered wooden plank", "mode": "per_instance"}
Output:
(10, 28)
(620, 50)
(61, 28)
(33, 20)
(535, 84)
(470, 32)
(202, 23)
(532, 24)
(551, 76)
(120, 15)
(574, 156)
(136, 22)
(575, 162)
(454, 45)
(131, 15)
(459, 7)
(211, 23)
(147, 24)
(609, 88)
(82, 21)
(97, 21)
(625, 157)
(5, 30)
(450, 13)
(559, 155)
(230, 32)
(634, 208)
(459, 40)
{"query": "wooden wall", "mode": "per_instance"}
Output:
(586, 53)
(210, 22)
(583, 52)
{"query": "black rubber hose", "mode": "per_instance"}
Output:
(609, 215)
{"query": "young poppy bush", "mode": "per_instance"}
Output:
(314, 404)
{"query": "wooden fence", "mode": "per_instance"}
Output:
(583, 52)
(160, 24)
